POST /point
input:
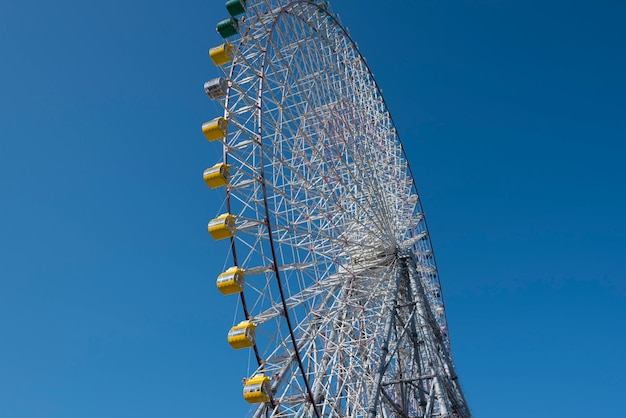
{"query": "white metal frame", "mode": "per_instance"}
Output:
(341, 279)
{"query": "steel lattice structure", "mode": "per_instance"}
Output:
(340, 277)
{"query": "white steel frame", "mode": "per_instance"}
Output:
(341, 279)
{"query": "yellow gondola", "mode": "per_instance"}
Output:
(221, 54)
(217, 176)
(222, 227)
(231, 281)
(257, 389)
(215, 129)
(242, 335)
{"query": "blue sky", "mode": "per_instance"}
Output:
(513, 117)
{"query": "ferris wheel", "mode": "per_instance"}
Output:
(330, 261)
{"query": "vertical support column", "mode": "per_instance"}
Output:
(389, 325)
(444, 389)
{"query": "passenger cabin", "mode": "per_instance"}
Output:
(242, 335)
(257, 389)
(221, 54)
(236, 7)
(216, 88)
(222, 227)
(215, 129)
(217, 176)
(231, 281)
(228, 27)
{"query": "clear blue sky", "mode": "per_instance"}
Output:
(513, 115)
